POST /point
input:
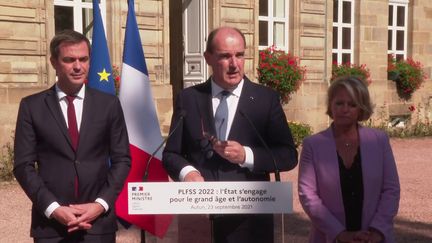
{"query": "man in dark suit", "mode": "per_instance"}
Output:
(211, 147)
(71, 151)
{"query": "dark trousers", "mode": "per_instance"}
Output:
(257, 228)
(79, 237)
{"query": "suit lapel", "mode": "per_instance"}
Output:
(52, 102)
(87, 112)
(246, 102)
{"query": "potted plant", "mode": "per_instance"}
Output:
(407, 74)
(280, 71)
(349, 69)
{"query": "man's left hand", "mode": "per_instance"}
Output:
(231, 151)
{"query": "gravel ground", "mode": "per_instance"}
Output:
(413, 223)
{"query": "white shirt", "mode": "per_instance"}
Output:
(232, 101)
(78, 104)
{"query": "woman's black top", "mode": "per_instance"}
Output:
(352, 192)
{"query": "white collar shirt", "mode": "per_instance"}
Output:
(78, 103)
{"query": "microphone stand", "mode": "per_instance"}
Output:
(276, 169)
(146, 172)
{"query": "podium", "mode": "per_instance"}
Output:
(203, 198)
(220, 197)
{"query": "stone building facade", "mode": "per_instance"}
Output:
(173, 34)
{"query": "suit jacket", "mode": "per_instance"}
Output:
(101, 162)
(261, 105)
(320, 189)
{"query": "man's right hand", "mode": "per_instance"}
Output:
(193, 176)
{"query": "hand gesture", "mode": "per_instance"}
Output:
(231, 151)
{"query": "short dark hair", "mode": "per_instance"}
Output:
(211, 36)
(69, 36)
(358, 91)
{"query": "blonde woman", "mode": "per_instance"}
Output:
(348, 181)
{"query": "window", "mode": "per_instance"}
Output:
(397, 28)
(76, 15)
(343, 31)
(273, 24)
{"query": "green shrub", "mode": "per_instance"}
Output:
(299, 131)
(6, 162)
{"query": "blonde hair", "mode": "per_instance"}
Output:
(358, 92)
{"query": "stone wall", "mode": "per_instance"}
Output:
(311, 43)
(421, 50)
(23, 57)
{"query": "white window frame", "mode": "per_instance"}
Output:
(394, 28)
(340, 25)
(78, 6)
(270, 19)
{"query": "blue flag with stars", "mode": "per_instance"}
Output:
(100, 74)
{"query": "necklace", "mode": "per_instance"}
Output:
(349, 144)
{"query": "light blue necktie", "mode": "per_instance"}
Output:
(221, 116)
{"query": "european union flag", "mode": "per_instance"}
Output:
(100, 74)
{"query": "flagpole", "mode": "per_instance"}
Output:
(143, 240)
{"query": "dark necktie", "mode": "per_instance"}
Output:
(73, 133)
(221, 116)
(72, 122)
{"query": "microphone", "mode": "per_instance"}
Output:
(146, 172)
(277, 174)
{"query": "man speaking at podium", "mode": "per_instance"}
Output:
(229, 129)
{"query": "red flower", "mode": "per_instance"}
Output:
(411, 108)
(280, 71)
(116, 76)
(347, 69)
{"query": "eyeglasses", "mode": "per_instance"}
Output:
(206, 142)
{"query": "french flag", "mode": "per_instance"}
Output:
(143, 127)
